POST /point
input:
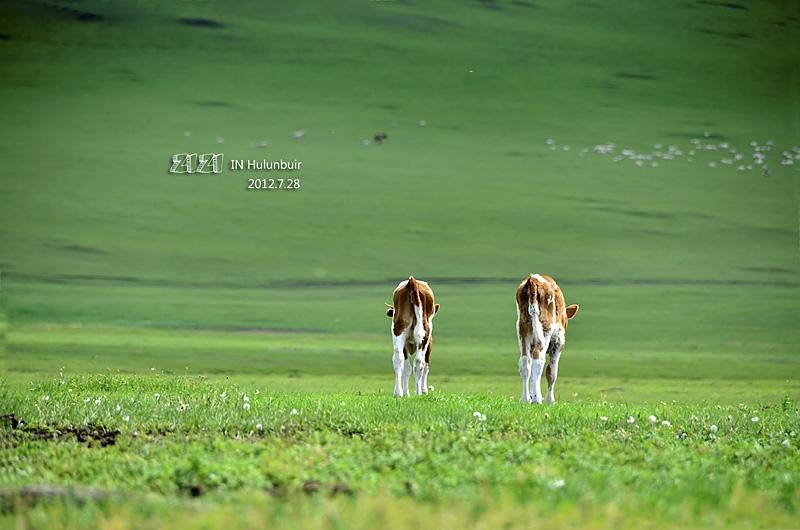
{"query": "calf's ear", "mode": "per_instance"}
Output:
(572, 309)
(436, 308)
(390, 311)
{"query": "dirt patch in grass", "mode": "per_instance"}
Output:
(200, 22)
(632, 75)
(91, 434)
(729, 5)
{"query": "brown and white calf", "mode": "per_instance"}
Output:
(412, 312)
(542, 318)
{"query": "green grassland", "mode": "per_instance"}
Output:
(124, 281)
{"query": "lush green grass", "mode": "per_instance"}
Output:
(688, 275)
(182, 436)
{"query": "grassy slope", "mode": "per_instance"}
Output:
(687, 275)
(100, 106)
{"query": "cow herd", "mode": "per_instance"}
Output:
(542, 317)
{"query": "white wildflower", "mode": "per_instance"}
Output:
(157, 396)
(556, 484)
(631, 420)
(126, 418)
(713, 428)
(97, 401)
(259, 427)
(294, 412)
(651, 418)
(754, 419)
(604, 418)
(666, 423)
(786, 443)
(118, 407)
(46, 398)
(246, 406)
(246, 399)
(479, 416)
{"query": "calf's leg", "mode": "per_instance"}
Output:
(525, 374)
(553, 355)
(406, 375)
(524, 360)
(399, 362)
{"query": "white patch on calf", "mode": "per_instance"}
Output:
(419, 327)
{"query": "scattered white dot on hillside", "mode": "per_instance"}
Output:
(220, 140)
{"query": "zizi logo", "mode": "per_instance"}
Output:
(188, 163)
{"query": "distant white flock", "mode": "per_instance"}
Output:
(714, 154)
(704, 150)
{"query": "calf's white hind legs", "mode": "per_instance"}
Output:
(525, 374)
(419, 370)
(536, 380)
(399, 362)
(406, 375)
(553, 355)
(552, 375)
(425, 378)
